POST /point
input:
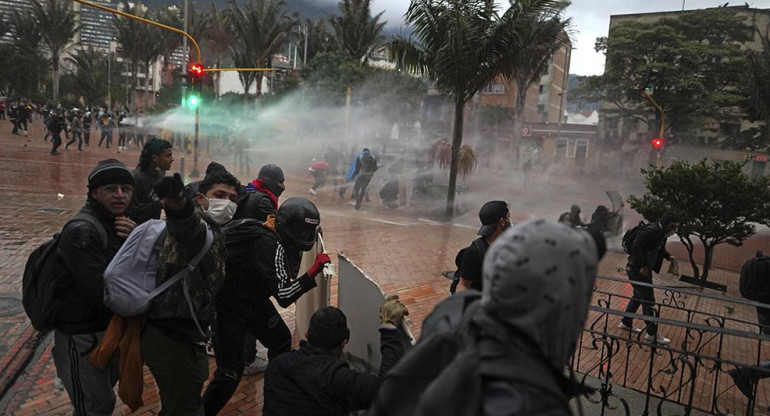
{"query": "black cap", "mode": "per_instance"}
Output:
(109, 171)
(271, 172)
(489, 214)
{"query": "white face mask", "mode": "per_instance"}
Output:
(221, 210)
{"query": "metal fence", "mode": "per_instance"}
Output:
(710, 336)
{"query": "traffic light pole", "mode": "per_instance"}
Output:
(662, 127)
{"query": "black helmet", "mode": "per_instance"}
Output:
(297, 223)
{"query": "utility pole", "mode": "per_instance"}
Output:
(304, 57)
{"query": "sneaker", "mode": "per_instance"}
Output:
(259, 365)
(312, 191)
(657, 339)
(742, 382)
(58, 383)
(631, 328)
(210, 349)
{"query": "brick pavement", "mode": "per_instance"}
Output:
(401, 251)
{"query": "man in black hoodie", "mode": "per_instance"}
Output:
(84, 251)
(647, 253)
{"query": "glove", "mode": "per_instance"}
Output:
(321, 259)
(392, 313)
(170, 187)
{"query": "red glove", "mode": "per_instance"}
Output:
(320, 260)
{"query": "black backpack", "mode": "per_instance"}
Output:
(755, 279)
(458, 262)
(630, 235)
(42, 275)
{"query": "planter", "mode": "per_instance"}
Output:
(701, 283)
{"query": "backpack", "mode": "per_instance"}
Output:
(368, 163)
(129, 281)
(42, 274)
(754, 282)
(630, 235)
(458, 262)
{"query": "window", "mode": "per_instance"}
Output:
(612, 123)
(494, 88)
(562, 146)
(541, 89)
(581, 148)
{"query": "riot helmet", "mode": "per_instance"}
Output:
(297, 222)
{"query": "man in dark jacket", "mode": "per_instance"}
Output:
(495, 219)
(315, 380)
(263, 260)
(84, 254)
(366, 166)
(156, 159)
(260, 198)
(55, 125)
(647, 253)
(173, 341)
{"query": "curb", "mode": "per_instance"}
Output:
(14, 363)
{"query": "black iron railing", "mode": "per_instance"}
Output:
(710, 336)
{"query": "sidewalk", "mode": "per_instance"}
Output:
(404, 254)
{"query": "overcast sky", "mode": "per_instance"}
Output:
(591, 19)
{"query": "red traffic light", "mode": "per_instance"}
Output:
(196, 70)
(657, 143)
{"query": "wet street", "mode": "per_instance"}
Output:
(404, 251)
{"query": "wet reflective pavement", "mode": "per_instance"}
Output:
(404, 251)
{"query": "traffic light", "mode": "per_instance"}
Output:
(196, 70)
(193, 100)
(651, 79)
(657, 143)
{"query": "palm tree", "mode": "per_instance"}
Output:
(540, 37)
(262, 28)
(23, 69)
(56, 21)
(218, 38)
(150, 49)
(90, 74)
(318, 37)
(129, 33)
(170, 41)
(461, 46)
(355, 30)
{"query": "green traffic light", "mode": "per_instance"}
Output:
(193, 101)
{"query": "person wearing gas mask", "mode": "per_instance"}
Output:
(260, 198)
(172, 343)
(263, 260)
(647, 253)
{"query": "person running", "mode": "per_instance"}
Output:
(56, 125)
(77, 130)
(319, 171)
(106, 125)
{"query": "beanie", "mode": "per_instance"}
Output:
(108, 172)
(271, 172)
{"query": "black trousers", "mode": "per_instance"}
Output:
(56, 140)
(359, 190)
(643, 296)
(320, 180)
(267, 326)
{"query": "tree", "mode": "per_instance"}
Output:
(56, 22)
(318, 38)
(328, 75)
(716, 201)
(262, 28)
(757, 90)
(129, 36)
(23, 65)
(90, 75)
(219, 39)
(462, 46)
(700, 59)
(542, 35)
(356, 31)
(150, 47)
(169, 41)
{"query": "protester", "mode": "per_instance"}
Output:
(319, 171)
(192, 187)
(366, 166)
(260, 198)
(55, 126)
(172, 343)
(156, 159)
(503, 352)
(106, 124)
(77, 130)
(495, 219)
(87, 120)
(262, 261)
(646, 255)
(574, 213)
(85, 250)
(316, 380)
